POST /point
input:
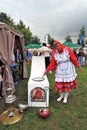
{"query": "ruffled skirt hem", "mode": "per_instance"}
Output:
(66, 86)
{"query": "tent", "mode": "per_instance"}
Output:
(10, 40)
(71, 45)
(32, 45)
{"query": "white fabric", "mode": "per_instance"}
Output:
(46, 50)
(65, 70)
(13, 57)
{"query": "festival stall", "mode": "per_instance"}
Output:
(10, 41)
(71, 45)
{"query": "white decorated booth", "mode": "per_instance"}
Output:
(38, 86)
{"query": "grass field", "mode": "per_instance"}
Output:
(70, 116)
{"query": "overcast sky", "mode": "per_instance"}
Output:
(54, 17)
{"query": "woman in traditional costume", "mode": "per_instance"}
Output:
(63, 62)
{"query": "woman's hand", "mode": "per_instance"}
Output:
(44, 73)
(80, 69)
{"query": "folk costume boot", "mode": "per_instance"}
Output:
(61, 97)
(66, 94)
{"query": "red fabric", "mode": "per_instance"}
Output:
(66, 86)
(56, 42)
(61, 86)
(60, 44)
(53, 64)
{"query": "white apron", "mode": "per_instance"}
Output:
(65, 71)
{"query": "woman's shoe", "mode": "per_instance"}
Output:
(66, 94)
(61, 97)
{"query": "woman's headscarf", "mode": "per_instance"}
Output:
(55, 43)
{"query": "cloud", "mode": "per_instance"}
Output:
(53, 17)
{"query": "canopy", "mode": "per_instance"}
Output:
(71, 45)
(32, 45)
(10, 40)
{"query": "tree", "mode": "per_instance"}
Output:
(6, 19)
(81, 37)
(35, 39)
(50, 40)
(27, 34)
(19, 27)
(82, 31)
(68, 38)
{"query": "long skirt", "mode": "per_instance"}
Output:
(66, 86)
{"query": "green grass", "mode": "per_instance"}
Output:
(70, 116)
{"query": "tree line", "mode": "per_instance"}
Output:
(21, 27)
(30, 38)
(81, 37)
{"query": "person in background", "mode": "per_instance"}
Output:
(86, 57)
(50, 55)
(63, 62)
(12, 58)
(29, 55)
(14, 69)
(81, 54)
(75, 52)
(19, 57)
(46, 54)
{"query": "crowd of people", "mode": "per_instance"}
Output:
(16, 65)
(61, 59)
(81, 55)
(45, 51)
